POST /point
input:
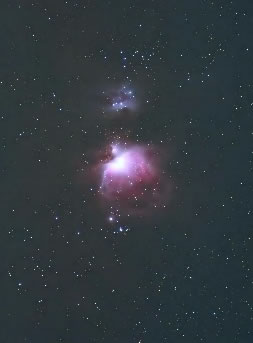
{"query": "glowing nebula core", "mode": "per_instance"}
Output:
(130, 176)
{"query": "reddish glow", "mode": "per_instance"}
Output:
(130, 176)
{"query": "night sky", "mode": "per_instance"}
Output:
(126, 162)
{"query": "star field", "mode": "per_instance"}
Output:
(126, 162)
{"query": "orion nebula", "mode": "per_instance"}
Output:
(131, 178)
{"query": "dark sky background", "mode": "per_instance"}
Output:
(182, 274)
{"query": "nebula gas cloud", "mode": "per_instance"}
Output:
(127, 169)
(131, 178)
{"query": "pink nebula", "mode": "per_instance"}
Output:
(130, 176)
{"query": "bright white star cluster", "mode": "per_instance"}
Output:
(121, 99)
(125, 99)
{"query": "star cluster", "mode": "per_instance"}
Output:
(120, 99)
